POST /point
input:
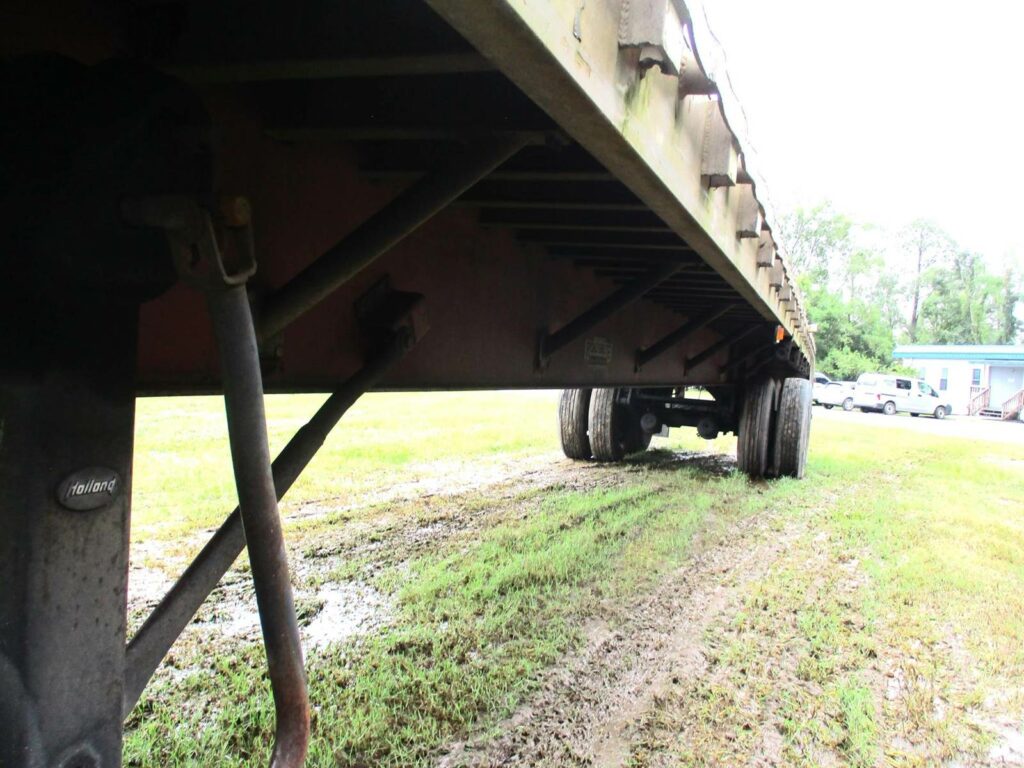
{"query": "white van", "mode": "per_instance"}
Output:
(891, 394)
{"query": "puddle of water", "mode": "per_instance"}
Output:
(348, 610)
(242, 620)
(1010, 748)
(147, 585)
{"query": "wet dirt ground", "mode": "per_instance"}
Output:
(430, 511)
(593, 707)
(588, 709)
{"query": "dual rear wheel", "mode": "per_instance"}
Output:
(597, 424)
(774, 428)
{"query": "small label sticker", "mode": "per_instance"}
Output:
(89, 488)
(597, 352)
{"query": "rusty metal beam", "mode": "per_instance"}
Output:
(526, 42)
(548, 176)
(324, 134)
(329, 69)
(381, 232)
(598, 245)
(679, 335)
(724, 342)
(702, 284)
(261, 520)
(605, 239)
(583, 227)
(556, 205)
(623, 253)
(156, 636)
(552, 342)
(601, 264)
(625, 221)
(749, 355)
(717, 295)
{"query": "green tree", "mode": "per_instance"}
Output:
(888, 294)
(846, 365)
(941, 314)
(848, 330)
(815, 239)
(937, 293)
(927, 246)
(968, 305)
(1007, 324)
(839, 277)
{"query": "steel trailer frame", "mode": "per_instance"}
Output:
(552, 189)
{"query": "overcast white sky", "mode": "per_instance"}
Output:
(893, 110)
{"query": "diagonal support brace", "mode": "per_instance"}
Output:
(750, 355)
(167, 621)
(718, 346)
(551, 343)
(382, 231)
(679, 335)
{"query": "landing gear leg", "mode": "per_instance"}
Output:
(190, 233)
(67, 406)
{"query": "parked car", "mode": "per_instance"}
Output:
(890, 394)
(829, 393)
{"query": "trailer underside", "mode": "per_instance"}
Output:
(239, 198)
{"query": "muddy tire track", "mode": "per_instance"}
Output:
(408, 521)
(588, 709)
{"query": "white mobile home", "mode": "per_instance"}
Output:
(983, 379)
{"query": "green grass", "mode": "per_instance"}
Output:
(943, 538)
(892, 630)
(473, 627)
(183, 467)
(907, 559)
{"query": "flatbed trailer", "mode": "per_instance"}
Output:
(246, 197)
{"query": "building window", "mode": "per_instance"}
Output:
(976, 377)
(944, 380)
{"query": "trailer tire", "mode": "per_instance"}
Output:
(573, 413)
(609, 425)
(752, 445)
(793, 429)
